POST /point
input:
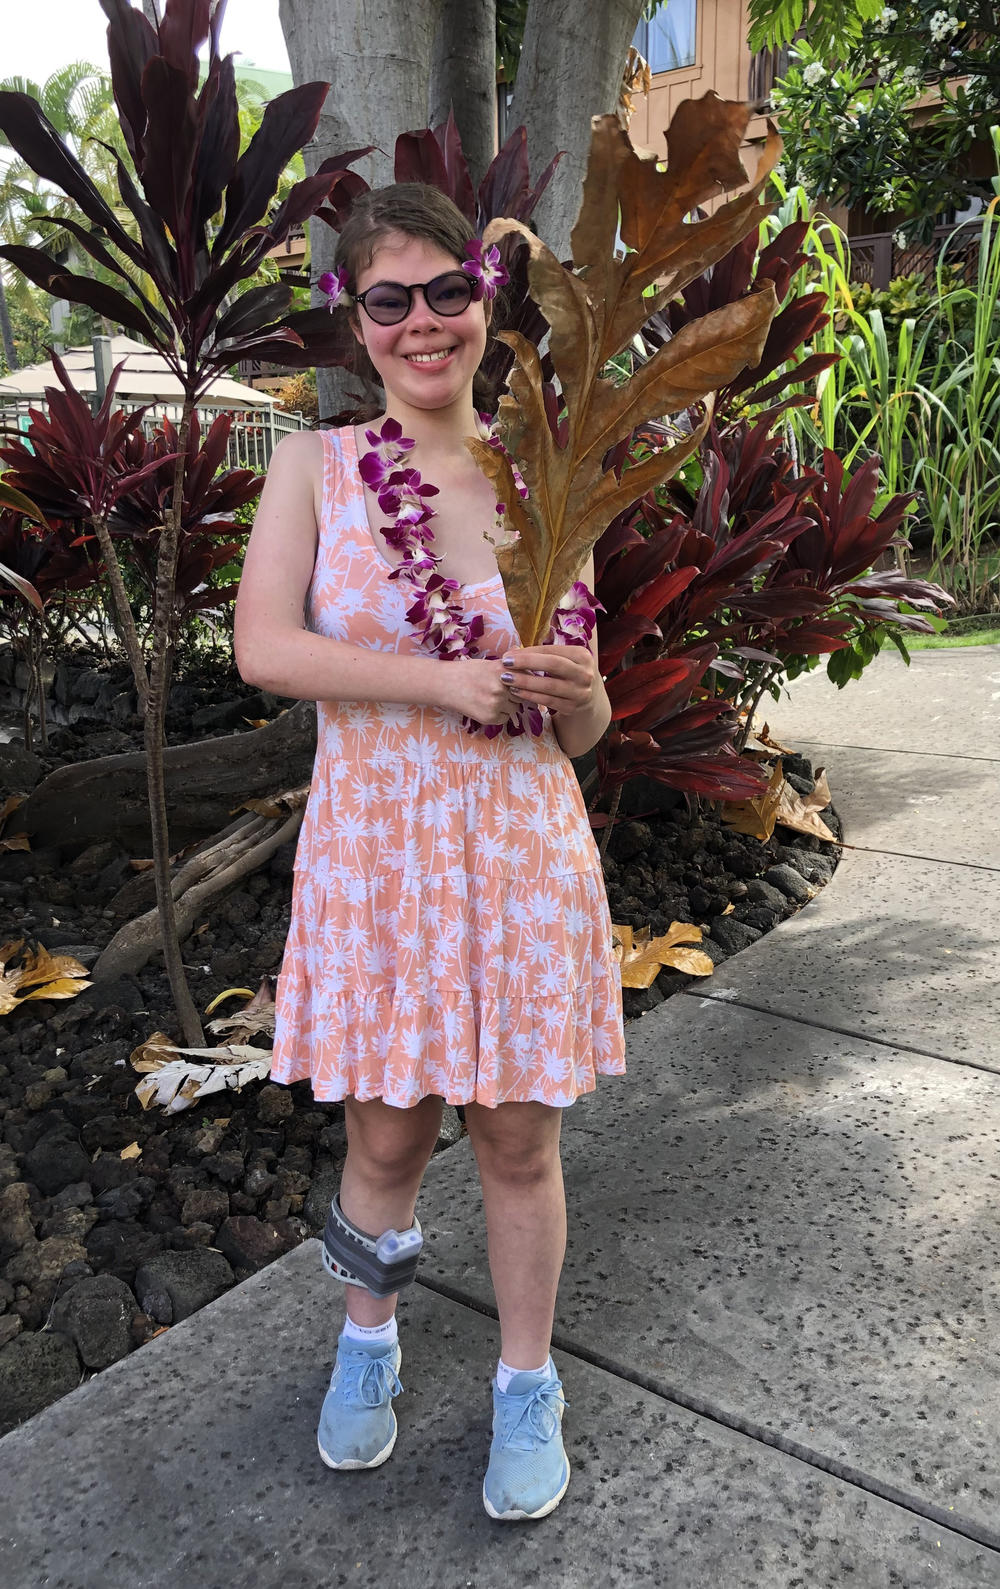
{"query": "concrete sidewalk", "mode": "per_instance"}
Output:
(777, 1325)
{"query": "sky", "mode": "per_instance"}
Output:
(39, 37)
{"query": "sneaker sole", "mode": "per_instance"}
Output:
(353, 1463)
(528, 1517)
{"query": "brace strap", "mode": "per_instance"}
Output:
(380, 1264)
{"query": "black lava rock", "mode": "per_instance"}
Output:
(733, 935)
(119, 1247)
(190, 1279)
(790, 882)
(35, 1369)
(54, 1162)
(761, 893)
(250, 1243)
(97, 1313)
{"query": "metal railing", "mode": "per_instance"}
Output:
(252, 440)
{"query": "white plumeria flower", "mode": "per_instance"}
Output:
(814, 73)
(942, 26)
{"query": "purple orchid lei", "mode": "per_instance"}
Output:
(436, 614)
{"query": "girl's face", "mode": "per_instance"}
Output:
(399, 352)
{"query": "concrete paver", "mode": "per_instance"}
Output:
(946, 703)
(794, 1228)
(899, 949)
(194, 1464)
(943, 807)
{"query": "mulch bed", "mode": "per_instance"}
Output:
(99, 1252)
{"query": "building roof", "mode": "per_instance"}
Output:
(146, 378)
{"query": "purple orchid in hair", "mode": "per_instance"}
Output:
(485, 269)
(334, 284)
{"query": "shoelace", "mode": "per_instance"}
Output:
(531, 1416)
(372, 1381)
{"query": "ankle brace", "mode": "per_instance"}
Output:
(380, 1264)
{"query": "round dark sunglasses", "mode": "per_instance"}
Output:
(389, 302)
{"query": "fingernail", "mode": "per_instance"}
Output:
(506, 678)
(507, 661)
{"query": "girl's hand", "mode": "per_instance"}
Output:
(563, 678)
(471, 685)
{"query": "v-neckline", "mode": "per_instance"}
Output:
(482, 584)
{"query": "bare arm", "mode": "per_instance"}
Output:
(274, 649)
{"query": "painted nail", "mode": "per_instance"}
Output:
(506, 678)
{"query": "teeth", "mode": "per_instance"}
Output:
(428, 358)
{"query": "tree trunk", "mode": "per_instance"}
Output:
(572, 63)
(204, 782)
(7, 332)
(378, 65)
(155, 716)
(464, 78)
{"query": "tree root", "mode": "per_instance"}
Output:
(242, 848)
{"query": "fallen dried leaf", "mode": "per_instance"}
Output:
(254, 1018)
(756, 817)
(20, 841)
(801, 812)
(133, 1151)
(642, 958)
(48, 976)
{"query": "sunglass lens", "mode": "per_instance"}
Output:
(449, 294)
(387, 304)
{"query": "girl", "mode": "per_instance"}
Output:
(450, 934)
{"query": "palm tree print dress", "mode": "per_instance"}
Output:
(450, 931)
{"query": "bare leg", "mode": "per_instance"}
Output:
(517, 1149)
(387, 1154)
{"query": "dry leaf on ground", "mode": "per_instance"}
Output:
(169, 1078)
(254, 1018)
(39, 975)
(801, 812)
(756, 817)
(641, 957)
(133, 1151)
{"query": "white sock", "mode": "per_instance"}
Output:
(505, 1373)
(373, 1334)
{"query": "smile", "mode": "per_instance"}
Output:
(428, 358)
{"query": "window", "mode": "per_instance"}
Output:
(670, 39)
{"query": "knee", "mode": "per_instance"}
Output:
(517, 1163)
(391, 1150)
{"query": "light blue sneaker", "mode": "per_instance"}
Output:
(528, 1470)
(357, 1426)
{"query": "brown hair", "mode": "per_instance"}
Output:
(414, 208)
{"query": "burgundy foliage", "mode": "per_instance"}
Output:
(211, 498)
(184, 173)
(70, 461)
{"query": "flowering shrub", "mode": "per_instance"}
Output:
(853, 140)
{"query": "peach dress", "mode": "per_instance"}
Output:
(450, 932)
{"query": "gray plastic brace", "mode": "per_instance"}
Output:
(380, 1264)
